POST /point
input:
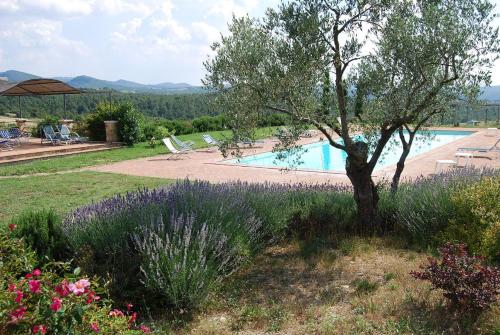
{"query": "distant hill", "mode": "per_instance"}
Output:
(491, 93)
(13, 75)
(87, 82)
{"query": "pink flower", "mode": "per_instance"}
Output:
(19, 296)
(116, 312)
(129, 307)
(28, 276)
(94, 326)
(35, 286)
(39, 329)
(63, 288)
(145, 329)
(92, 297)
(56, 304)
(79, 287)
(12, 227)
(12, 287)
(132, 318)
(17, 314)
(36, 272)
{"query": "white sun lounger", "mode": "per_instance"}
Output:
(174, 152)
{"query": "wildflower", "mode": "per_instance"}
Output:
(28, 276)
(129, 307)
(19, 296)
(11, 287)
(56, 304)
(116, 312)
(12, 227)
(63, 288)
(17, 314)
(95, 327)
(36, 272)
(39, 329)
(132, 319)
(145, 329)
(35, 285)
(79, 287)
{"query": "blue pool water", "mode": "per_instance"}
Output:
(322, 156)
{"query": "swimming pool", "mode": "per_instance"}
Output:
(323, 157)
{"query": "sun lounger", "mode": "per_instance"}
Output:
(71, 135)
(174, 152)
(440, 163)
(210, 141)
(493, 148)
(21, 135)
(183, 145)
(5, 135)
(5, 145)
(50, 135)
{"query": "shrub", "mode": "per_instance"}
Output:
(41, 230)
(477, 218)
(128, 122)
(34, 301)
(110, 228)
(467, 284)
(424, 207)
(49, 120)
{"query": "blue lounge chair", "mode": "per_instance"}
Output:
(18, 134)
(71, 135)
(5, 135)
(50, 135)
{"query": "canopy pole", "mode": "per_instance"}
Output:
(109, 98)
(64, 114)
(20, 110)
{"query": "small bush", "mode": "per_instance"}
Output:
(48, 120)
(42, 232)
(477, 218)
(467, 284)
(364, 286)
(41, 301)
(95, 121)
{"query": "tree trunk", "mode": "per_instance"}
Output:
(399, 170)
(365, 194)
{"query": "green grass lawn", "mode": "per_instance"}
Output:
(63, 192)
(105, 157)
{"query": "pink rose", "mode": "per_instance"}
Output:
(39, 329)
(63, 288)
(17, 314)
(95, 327)
(56, 304)
(36, 272)
(116, 312)
(19, 296)
(79, 287)
(35, 286)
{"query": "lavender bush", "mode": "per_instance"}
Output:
(423, 207)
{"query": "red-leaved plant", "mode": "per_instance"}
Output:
(469, 285)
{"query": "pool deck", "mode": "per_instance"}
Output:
(208, 165)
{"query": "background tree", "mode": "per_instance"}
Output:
(303, 60)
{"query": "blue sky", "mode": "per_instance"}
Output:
(148, 41)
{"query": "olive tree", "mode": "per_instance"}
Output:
(328, 64)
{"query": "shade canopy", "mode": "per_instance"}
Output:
(36, 87)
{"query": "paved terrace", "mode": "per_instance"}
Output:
(206, 165)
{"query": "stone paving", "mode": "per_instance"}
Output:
(209, 165)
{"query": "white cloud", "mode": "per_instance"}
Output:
(66, 7)
(207, 32)
(115, 7)
(227, 8)
(9, 5)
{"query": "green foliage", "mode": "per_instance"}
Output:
(50, 120)
(95, 121)
(16, 259)
(41, 231)
(128, 122)
(477, 219)
(364, 286)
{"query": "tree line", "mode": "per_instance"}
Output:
(178, 106)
